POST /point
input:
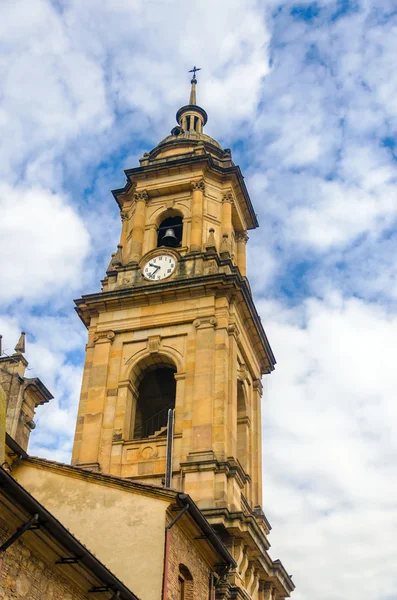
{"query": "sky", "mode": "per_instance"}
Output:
(305, 95)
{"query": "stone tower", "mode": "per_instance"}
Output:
(175, 326)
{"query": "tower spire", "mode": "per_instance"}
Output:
(192, 99)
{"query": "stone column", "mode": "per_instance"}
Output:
(124, 230)
(257, 440)
(227, 226)
(242, 239)
(202, 418)
(96, 399)
(138, 225)
(196, 236)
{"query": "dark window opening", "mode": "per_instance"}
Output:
(188, 123)
(156, 395)
(170, 232)
(195, 123)
(185, 581)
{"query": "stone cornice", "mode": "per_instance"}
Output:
(187, 159)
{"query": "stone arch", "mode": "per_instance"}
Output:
(185, 581)
(153, 380)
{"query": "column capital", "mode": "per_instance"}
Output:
(227, 197)
(205, 323)
(142, 195)
(198, 185)
(241, 236)
(104, 337)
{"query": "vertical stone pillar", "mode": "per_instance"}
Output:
(138, 225)
(196, 236)
(78, 436)
(124, 230)
(257, 441)
(202, 418)
(227, 226)
(96, 399)
(242, 239)
(221, 423)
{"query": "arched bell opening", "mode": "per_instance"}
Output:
(156, 395)
(170, 232)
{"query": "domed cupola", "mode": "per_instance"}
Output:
(188, 134)
(192, 117)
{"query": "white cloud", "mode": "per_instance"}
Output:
(44, 243)
(329, 447)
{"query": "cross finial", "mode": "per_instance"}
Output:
(194, 71)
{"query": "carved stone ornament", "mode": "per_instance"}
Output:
(232, 329)
(198, 185)
(257, 385)
(228, 197)
(243, 373)
(143, 195)
(104, 336)
(205, 322)
(225, 244)
(153, 344)
(123, 215)
(241, 236)
(211, 244)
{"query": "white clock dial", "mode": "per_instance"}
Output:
(159, 267)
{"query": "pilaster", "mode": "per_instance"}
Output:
(138, 225)
(196, 236)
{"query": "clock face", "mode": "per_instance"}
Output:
(159, 267)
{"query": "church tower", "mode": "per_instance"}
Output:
(175, 327)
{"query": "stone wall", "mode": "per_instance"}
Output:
(25, 575)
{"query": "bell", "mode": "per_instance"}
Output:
(170, 239)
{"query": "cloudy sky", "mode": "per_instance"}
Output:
(305, 94)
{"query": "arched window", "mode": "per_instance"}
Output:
(185, 581)
(156, 395)
(170, 232)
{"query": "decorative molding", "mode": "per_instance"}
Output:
(153, 343)
(143, 195)
(210, 246)
(228, 197)
(241, 236)
(123, 215)
(233, 330)
(205, 323)
(243, 373)
(104, 336)
(257, 386)
(225, 244)
(198, 185)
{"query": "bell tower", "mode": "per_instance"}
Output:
(175, 326)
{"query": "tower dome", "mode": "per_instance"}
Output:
(188, 133)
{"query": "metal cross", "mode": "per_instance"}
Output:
(194, 71)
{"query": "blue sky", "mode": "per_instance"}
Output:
(305, 95)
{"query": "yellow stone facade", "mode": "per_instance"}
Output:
(201, 322)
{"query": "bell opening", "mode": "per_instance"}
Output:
(170, 233)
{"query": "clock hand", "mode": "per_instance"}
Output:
(156, 268)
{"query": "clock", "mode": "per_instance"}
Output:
(159, 267)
